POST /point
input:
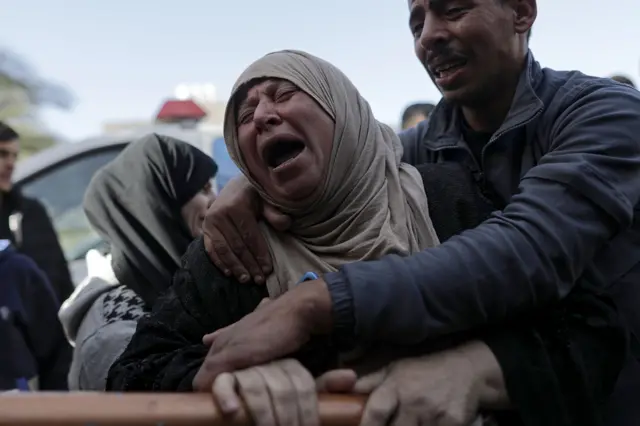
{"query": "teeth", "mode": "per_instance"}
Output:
(443, 69)
(447, 67)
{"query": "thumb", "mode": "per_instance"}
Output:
(264, 302)
(208, 339)
(280, 221)
(367, 384)
(337, 381)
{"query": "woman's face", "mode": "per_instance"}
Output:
(285, 138)
(194, 211)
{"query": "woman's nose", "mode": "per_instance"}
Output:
(266, 116)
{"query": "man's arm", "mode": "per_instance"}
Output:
(580, 195)
(44, 248)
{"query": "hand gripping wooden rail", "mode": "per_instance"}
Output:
(150, 409)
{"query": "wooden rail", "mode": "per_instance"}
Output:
(152, 409)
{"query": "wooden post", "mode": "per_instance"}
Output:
(151, 409)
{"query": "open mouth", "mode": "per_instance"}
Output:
(448, 68)
(282, 151)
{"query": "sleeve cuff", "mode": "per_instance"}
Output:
(342, 311)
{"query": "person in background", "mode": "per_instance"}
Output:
(25, 222)
(148, 204)
(34, 354)
(416, 113)
(623, 79)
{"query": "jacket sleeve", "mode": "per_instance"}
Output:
(46, 337)
(580, 195)
(560, 366)
(43, 247)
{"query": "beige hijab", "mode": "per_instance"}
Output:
(370, 203)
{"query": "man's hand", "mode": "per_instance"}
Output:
(232, 236)
(208, 338)
(281, 393)
(442, 389)
(278, 328)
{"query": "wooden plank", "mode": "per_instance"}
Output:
(150, 409)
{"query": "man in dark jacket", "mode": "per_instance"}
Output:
(25, 222)
(557, 152)
(34, 353)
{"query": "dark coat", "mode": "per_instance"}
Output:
(34, 353)
(36, 238)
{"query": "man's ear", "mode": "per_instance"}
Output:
(525, 13)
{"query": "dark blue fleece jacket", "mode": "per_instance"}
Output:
(34, 353)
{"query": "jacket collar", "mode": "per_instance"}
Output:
(444, 130)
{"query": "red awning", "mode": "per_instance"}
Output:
(180, 110)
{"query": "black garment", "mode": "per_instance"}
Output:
(559, 365)
(476, 141)
(36, 238)
(134, 203)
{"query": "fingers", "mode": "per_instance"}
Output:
(381, 407)
(250, 246)
(232, 233)
(224, 391)
(215, 364)
(282, 392)
(278, 220)
(367, 384)
(408, 417)
(254, 391)
(307, 397)
(208, 339)
(224, 243)
(337, 381)
(264, 302)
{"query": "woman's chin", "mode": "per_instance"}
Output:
(295, 190)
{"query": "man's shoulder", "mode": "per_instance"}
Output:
(411, 141)
(15, 261)
(30, 204)
(563, 90)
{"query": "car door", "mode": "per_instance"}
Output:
(61, 187)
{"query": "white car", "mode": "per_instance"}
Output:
(58, 177)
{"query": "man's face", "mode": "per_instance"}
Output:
(8, 157)
(466, 45)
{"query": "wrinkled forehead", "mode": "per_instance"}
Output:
(251, 90)
(303, 71)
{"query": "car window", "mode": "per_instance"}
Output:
(227, 169)
(61, 189)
